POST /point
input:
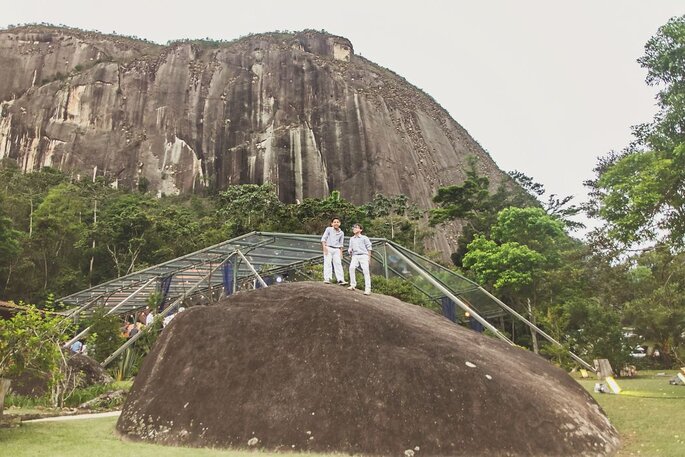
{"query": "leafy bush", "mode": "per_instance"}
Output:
(105, 335)
(27, 401)
(128, 362)
(77, 397)
(401, 289)
(85, 394)
(32, 340)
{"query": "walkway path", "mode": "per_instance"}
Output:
(77, 416)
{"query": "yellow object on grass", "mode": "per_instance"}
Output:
(613, 385)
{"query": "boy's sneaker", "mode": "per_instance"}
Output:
(326, 281)
(367, 292)
(342, 283)
(351, 288)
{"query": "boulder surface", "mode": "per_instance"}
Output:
(312, 367)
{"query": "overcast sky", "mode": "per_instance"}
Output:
(544, 86)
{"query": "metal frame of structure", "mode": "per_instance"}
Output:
(257, 256)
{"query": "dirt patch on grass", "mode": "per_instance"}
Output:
(309, 367)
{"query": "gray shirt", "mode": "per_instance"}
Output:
(333, 238)
(359, 245)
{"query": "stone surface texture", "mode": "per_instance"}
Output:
(300, 110)
(313, 367)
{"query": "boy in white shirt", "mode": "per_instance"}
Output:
(332, 243)
(360, 250)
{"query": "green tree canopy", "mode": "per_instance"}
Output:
(9, 239)
(664, 61)
(640, 197)
(474, 207)
(657, 307)
(524, 243)
(249, 207)
(640, 193)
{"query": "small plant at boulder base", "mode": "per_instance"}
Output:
(131, 359)
(148, 338)
(128, 361)
(31, 341)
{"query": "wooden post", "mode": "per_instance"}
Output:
(4, 387)
(603, 368)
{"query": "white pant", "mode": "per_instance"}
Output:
(362, 261)
(332, 256)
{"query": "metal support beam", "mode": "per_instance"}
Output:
(115, 285)
(538, 330)
(259, 278)
(454, 298)
(121, 303)
(164, 313)
(90, 303)
(385, 260)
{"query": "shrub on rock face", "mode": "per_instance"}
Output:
(309, 367)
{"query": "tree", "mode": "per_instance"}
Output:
(589, 329)
(20, 196)
(559, 207)
(403, 290)
(25, 191)
(59, 226)
(657, 308)
(9, 242)
(176, 232)
(469, 201)
(640, 193)
(474, 207)
(639, 197)
(394, 218)
(249, 207)
(105, 334)
(124, 229)
(525, 245)
(510, 267)
(31, 341)
(664, 60)
(314, 214)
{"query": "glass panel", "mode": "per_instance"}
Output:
(275, 253)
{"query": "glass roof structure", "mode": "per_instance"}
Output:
(267, 254)
(259, 259)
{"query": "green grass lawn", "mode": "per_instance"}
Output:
(650, 415)
(95, 437)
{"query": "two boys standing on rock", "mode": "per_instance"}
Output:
(360, 248)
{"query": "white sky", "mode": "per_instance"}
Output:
(544, 86)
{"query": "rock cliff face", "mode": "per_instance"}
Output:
(299, 110)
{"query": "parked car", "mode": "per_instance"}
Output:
(638, 352)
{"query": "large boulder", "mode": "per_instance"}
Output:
(88, 370)
(310, 367)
